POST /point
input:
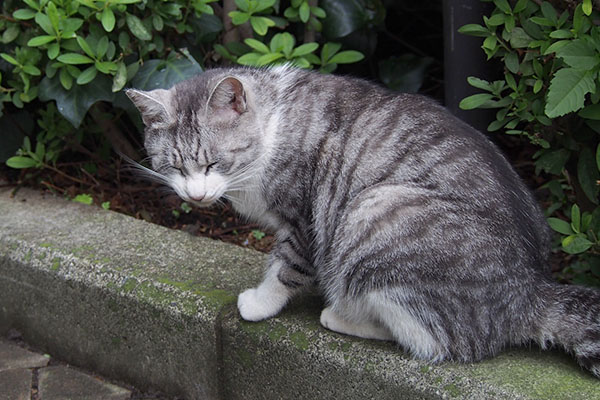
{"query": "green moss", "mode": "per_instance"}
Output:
(245, 357)
(213, 297)
(129, 285)
(453, 390)
(55, 264)
(255, 328)
(299, 340)
(46, 245)
(536, 374)
(276, 332)
(27, 257)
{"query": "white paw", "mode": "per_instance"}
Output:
(328, 319)
(254, 307)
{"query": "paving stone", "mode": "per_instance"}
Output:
(65, 383)
(15, 384)
(15, 357)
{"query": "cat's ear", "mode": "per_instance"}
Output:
(154, 105)
(227, 100)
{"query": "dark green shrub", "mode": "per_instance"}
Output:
(550, 96)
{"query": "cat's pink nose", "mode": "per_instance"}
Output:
(197, 197)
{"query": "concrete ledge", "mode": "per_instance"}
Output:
(156, 307)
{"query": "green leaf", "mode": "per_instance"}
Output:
(24, 14)
(304, 49)
(598, 157)
(108, 19)
(84, 199)
(10, 34)
(560, 226)
(66, 80)
(137, 28)
(32, 70)
(249, 59)
(478, 83)
(263, 5)
(576, 218)
(519, 39)
(243, 5)
(511, 60)
(257, 45)
(157, 22)
(344, 17)
(495, 20)
(73, 104)
(503, 6)
(74, 59)
(575, 244)
(549, 12)
(561, 34)
(474, 101)
(53, 16)
(85, 47)
(346, 57)
(163, 74)
(268, 58)
(72, 25)
(588, 174)
(591, 111)
(87, 75)
(44, 22)
(567, 91)
(21, 162)
(40, 40)
(238, 18)
(553, 161)
(304, 12)
(102, 46)
(120, 78)
(587, 7)
(261, 24)
(9, 58)
(579, 54)
(474, 30)
(106, 67)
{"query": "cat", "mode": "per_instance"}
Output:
(412, 224)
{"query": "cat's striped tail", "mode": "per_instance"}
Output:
(570, 318)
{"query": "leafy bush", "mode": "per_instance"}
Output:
(549, 95)
(80, 54)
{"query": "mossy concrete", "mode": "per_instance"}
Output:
(156, 307)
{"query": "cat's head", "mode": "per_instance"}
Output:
(203, 135)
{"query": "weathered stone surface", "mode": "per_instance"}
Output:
(129, 299)
(14, 357)
(155, 307)
(15, 384)
(64, 383)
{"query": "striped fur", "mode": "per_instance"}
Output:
(411, 223)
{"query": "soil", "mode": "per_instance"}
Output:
(126, 192)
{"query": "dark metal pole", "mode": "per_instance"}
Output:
(463, 57)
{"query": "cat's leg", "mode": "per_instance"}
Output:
(288, 274)
(365, 329)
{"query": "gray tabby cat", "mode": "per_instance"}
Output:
(411, 223)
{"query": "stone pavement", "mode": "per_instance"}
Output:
(30, 375)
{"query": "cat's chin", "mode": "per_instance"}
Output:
(201, 204)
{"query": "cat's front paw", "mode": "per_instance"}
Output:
(254, 307)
